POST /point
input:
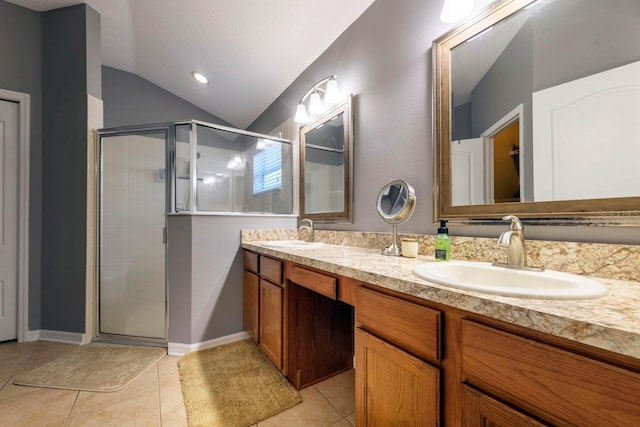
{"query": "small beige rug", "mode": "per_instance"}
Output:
(233, 385)
(93, 367)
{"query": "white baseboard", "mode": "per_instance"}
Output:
(178, 349)
(57, 336)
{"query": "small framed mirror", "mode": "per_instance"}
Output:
(326, 166)
(395, 204)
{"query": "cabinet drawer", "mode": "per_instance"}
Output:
(557, 385)
(317, 282)
(347, 290)
(410, 326)
(271, 269)
(251, 261)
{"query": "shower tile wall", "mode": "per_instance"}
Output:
(324, 187)
(132, 290)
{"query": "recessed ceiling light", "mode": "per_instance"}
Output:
(201, 78)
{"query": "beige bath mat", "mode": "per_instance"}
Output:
(93, 367)
(233, 385)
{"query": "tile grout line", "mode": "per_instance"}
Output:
(331, 403)
(159, 391)
(66, 421)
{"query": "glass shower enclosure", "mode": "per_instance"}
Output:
(190, 168)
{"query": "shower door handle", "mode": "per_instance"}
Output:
(164, 235)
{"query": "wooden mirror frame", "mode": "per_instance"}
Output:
(345, 216)
(610, 211)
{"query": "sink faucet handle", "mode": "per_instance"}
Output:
(515, 222)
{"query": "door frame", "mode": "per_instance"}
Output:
(513, 115)
(24, 101)
(169, 131)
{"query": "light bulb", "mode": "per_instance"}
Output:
(201, 78)
(455, 10)
(315, 104)
(332, 95)
(301, 114)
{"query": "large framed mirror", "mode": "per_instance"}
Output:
(536, 109)
(326, 166)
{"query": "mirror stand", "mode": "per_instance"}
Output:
(393, 249)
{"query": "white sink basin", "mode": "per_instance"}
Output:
(291, 244)
(487, 278)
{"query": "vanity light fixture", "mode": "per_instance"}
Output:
(455, 10)
(315, 104)
(200, 78)
(322, 94)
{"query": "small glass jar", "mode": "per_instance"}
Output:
(409, 247)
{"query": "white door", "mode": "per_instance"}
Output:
(585, 137)
(9, 116)
(467, 172)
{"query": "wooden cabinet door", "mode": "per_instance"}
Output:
(394, 387)
(271, 299)
(480, 410)
(251, 304)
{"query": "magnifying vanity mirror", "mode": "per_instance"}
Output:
(535, 113)
(395, 204)
(326, 166)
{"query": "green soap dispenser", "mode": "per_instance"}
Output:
(443, 243)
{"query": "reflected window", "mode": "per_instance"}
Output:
(267, 170)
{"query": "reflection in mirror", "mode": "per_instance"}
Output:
(395, 204)
(325, 149)
(534, 111)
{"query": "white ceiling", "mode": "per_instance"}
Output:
(251, 50)
(474, 58)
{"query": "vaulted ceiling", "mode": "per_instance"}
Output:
(251, 50)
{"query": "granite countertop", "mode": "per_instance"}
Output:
(611, 323)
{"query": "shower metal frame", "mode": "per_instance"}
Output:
(169, 130)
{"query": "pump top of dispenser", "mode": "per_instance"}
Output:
(443, 227)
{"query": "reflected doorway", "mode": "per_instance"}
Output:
(506, 164)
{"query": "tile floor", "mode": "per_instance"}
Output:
(152, 399)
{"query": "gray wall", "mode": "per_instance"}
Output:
(66, 74)
(569, 45)
(205, 274)
(131, 100)
(21, 71)
(461, 122)
(385, 59)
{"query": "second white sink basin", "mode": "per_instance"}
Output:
(487, 278)
(291, 244)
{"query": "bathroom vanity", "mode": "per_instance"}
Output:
(427, 355)
(301, 318)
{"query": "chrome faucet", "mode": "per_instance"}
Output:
(514, 241)
(309, 229)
